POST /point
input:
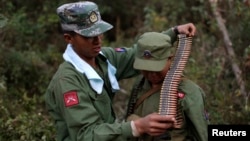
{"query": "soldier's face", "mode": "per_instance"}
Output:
(153, 77)
(86, 47)
(156, 77)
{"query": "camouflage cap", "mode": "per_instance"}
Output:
(82, 17)
(153, 50)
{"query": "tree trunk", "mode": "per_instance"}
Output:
(229, 49)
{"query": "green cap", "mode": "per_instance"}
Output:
(82, 17)
(153, 50)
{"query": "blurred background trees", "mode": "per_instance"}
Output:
(31, 49)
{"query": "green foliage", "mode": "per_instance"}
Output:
(24, 72)
(3, 21)
(27, 124)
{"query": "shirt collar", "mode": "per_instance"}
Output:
(82, 66)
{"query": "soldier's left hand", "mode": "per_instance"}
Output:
(188, 29)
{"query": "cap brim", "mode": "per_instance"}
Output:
(149, 65)
(98, 28)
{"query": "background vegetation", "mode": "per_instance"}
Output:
(31, 49)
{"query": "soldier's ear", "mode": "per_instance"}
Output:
(67, 37)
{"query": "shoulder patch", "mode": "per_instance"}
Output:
(181, 95)
(70, 98)
(120, 49)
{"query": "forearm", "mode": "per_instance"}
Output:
(171, 33)
(188, 29)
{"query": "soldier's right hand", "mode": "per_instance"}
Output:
(154, 124)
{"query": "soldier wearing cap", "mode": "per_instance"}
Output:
(79, 96)
(153, 58)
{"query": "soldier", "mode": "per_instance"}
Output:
(79, 96)
(154, 57)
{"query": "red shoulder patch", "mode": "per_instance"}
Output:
(70, 98)
(181, 95)
(120, 49)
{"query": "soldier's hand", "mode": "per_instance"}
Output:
(188, 29)
(154, 124)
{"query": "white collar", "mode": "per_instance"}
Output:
(82, 66)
